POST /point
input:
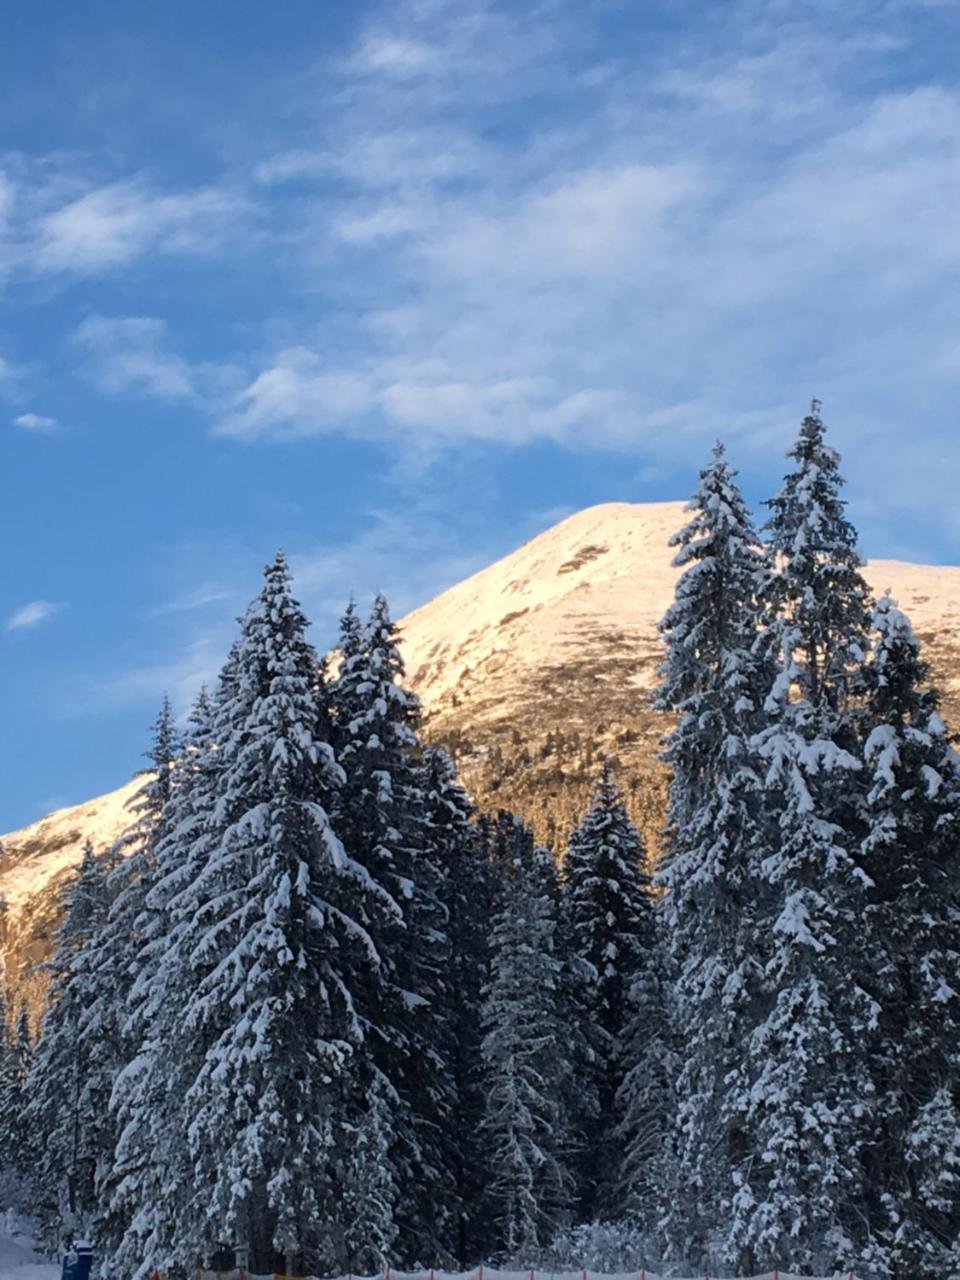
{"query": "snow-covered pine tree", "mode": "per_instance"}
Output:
(818, 605)
(811, 1096)
(716, 680)
(527, 1070)
(272, 1010)
(608, 929)
(143, 1186)
(115, 956)
(16, 1149)
(62, 1098)
(368, 1192)
(645, 1103)
(381, 816)
(912, 853)
(457, 847)
(133, 855)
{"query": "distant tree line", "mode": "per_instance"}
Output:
(315, 1008)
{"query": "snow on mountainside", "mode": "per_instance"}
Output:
(529, 671)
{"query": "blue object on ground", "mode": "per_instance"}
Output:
(77, 1262)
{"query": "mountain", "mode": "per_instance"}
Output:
(529, 671)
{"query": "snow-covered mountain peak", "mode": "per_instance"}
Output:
(609, 562)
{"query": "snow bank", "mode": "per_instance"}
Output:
(18, 1258)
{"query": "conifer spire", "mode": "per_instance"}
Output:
(608, 916)
(716, 677)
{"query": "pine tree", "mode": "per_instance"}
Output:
(381, 816)
(818, 600)
(716, 678)
(608, 916)
(811, 1094)
(510, 844)
(142, 1187)
(15, 1057)
(911, 851)
(368, 1188)
(62, 1097)
(808, 1056)
(645, 1103)
(272, 1010)
(134, 855)
(458, 848)
(116, 955)
(526, 1070)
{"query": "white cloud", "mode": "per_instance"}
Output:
(298, 396)
(437, 51)
(35, 422)
(394, 56)
(697, 243)
(33, 614)
(114, 224)
(589, 223)
(511, 230)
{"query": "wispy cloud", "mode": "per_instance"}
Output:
(114, 224)
(411, 556)
(57, 221)
(181, 677)
(499, 223)
(11, 379)
(128, 355)
(133, 356)
(35, 422)
(33, 614)
(298, 396)
(200, 597)
(694, 241)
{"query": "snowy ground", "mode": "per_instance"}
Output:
(18, 1261)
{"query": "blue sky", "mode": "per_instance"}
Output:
(396, 286)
